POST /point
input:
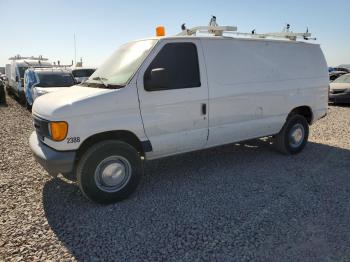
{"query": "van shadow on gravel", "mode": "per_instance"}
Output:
(236, 202)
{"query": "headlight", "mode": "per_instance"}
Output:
(37, 92)
(40, 92)
(58, 130)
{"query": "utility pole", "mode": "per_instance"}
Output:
(75, 50)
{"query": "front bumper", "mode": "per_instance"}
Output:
(53, 161)
(343, 97)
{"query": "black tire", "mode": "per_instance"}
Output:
(8, 90)
(90, 179)
(2, 95)
(285, 142)
(21, 98)
(28, 106)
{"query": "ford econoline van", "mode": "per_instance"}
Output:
(163, 96)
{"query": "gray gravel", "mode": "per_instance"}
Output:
(232, 203)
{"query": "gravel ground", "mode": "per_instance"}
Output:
(232, 203)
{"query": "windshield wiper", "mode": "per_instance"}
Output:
(101, 79)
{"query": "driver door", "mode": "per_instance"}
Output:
(175, 115)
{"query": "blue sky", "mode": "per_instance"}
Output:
(47, 27)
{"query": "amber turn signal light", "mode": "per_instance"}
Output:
(58, 130)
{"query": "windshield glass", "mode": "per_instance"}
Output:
(83, 72)
(55, 79)
(123, 63)
(343, 79)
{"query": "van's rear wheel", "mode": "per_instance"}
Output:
(109, 171)
(293, 136)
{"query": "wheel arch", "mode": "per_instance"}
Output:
(121, 135)
(305, 111)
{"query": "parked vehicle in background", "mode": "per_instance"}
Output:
(335, 74)
(82, 74)
(340, 90)
(16, 73)
(8, 76)
(40, 81)
(169, 95)
(344, 69)
(2, 93)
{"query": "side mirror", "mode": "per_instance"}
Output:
(159, 79)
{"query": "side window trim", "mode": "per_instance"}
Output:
(147, 71)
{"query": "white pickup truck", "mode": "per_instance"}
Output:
(162, 96)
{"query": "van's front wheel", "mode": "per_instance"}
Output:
(293, 136)
(109, 171)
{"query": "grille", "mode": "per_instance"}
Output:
(41, 127)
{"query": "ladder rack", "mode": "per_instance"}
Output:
(19, 57)
(216, 30)
(221, 30)
(287, 35)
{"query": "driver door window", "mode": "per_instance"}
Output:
(180, 61)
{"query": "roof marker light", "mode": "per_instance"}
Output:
(160, 31)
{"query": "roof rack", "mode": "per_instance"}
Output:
(287, 35)
(52, 68)
(217, 30)
(19, 57)
(59, 65)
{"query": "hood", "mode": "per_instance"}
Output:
(45, 90)
(73, 101)
(339, 86)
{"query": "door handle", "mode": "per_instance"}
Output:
(204, 109)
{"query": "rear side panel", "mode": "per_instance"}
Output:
(254, 84)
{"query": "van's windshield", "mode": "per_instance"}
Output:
(82, 72)
(121, 66)
(53, 79)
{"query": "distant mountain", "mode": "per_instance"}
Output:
(345, 65)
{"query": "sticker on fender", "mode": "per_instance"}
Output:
(71, 140)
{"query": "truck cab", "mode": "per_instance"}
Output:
(163, 96)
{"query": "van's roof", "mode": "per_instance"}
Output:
(26, 62)
(82, 68)
(177, 37)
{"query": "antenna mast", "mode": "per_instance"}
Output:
(75, 50)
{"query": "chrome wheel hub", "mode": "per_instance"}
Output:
(296, 135)
(112, 174)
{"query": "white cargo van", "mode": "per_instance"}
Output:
(169, 95)
(18, 66)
